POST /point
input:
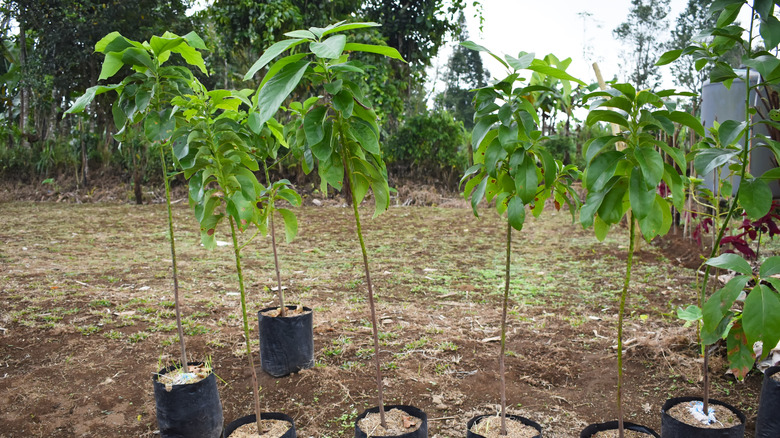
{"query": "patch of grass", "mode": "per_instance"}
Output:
(87, 330)
(447, 346)
(416, 345)
(113, 334)
(137, 337)
(100, 303)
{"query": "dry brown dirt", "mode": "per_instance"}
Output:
(86, 318)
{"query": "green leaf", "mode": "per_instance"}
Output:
(602, 169)
(707, 160)
(516, 213)
(301, 33)
(732, 262)
(365, 136)
(521, 63)
(608, 116)
(642, 199)
(111, 65)
(540, 67)
(652, 165)
(690, 313)
(272, 52)
(276, 90)
(476, 47)
(688, 120)
(290, 224)
(730, 132)
(481, 128)
(755, 196)
(612, 207)
(596, 145)
(719, 304)
(161, 45)
(138, 57)
(526, 181)
(669, 57)
(478, 194)
(331, 48)
(728, 13)
(761, 316)
(348, 26)
(89, 95)
(370, 48)
(770, 266)
(344, 101)
(770, 32)
(312, 124)
(722, 72)
(600, 229)
(117, 41)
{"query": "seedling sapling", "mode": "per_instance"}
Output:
(512, 167)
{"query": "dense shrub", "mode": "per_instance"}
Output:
(429, 146)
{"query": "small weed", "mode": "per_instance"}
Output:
(168, 304)
(334, 351)
(416, 345)
(351, 365)
(113, 334)
(87, 330)
(137, 337)
(100, 303)
(390, 366)
(441, 368)
(447, 346)
(365, 353)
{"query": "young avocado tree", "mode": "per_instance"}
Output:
(623, 173)
(340, 129)
(512, 167)
(144, 102)
(222, 185)
(728, 150)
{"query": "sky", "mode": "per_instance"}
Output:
(581, 30)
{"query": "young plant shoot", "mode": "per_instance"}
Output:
(623, 174)
(512, 167)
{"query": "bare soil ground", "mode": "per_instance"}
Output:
(86, 317)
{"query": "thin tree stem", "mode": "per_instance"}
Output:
(623, 296)
(279, 292)
(237, 254)
(501, 360)
(176, 303)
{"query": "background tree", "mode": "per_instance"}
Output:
(464, 73)
(642, 33)
(695, 18)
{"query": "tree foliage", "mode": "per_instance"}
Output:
(642, 34)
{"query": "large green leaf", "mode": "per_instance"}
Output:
(516, 213)
(138, 57)
(770, 32)
(658, 220)
(290, 224)
(770, 266)
(651, 163)
(276, 90)
(526, 181)
(707, 160)
(732, 262)
(669, 57)
(111, 65)
(341, 27)
(719, 304)
(602, 169)
(541, 67)
(755, 196)
(688, 120)
(331, 48)
(312, 124)
(192, 56)
(272, 52)
(478, 194)
(116, 42)
(761, 316)
(608, 116)
(89, 95)
(730, 131)
(612, 207)
(370, 48)
(594, 146)
(365, 136)
(642, 199)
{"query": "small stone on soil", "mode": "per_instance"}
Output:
(490, 427)
(268, 429)
(398, 423)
